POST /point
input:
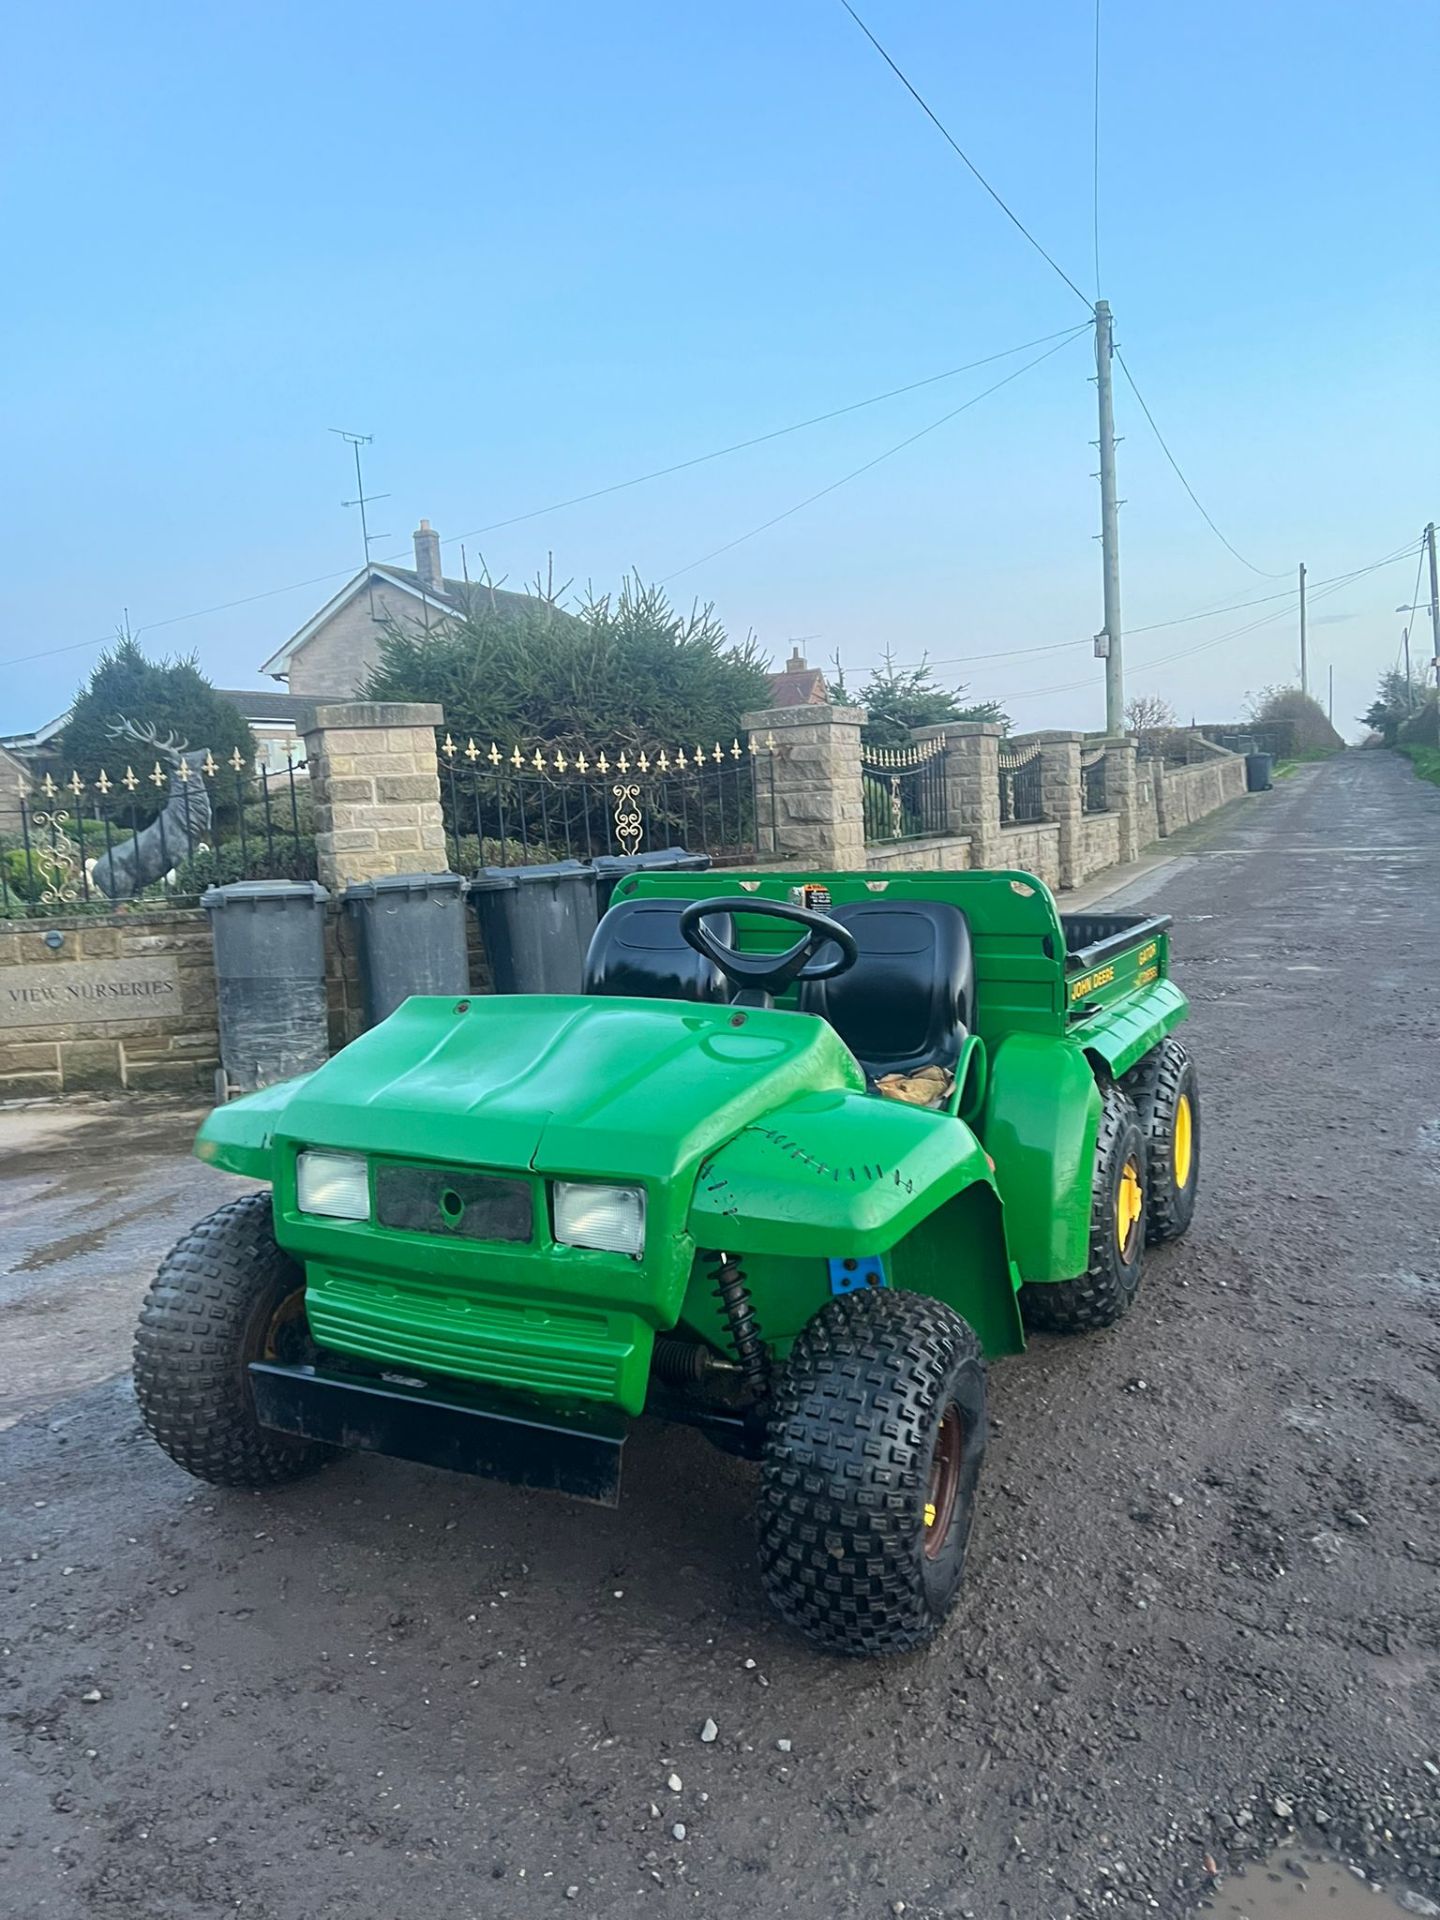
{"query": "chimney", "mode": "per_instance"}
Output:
(427, 558)
(796, 662)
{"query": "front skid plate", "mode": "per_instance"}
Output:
(419, 1423)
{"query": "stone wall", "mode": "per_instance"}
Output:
(947, 853)
(1099, 842)
(375, 789)
(812, 804)
(1034, 849)
(105, 1002)
(1192, 792)
(1147, 817)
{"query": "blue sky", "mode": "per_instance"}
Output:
(537, 248)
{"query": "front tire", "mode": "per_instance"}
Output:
(867, 1489)
(225, 1295)
(1166, 1092)
(1106, 1291)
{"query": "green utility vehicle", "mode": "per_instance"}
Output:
(499, 1228)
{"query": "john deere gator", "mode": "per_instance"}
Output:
(802, 1156)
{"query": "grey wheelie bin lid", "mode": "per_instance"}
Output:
(611, 868)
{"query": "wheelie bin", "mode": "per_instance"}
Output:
(410, 936)
(536, 923)
(270, 978)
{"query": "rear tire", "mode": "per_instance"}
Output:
(1106, 1290)
(867, 1489)
(225, 1295)
(1166, 1092)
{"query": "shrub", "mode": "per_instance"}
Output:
(1313, 732)
(219, 866)
(622, 670)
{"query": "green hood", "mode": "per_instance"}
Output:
(638, 1089)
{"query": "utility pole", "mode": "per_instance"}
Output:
(1304, 661)
(1409, 690)
(1330, 708)
(1110, 525)
(1434, 600)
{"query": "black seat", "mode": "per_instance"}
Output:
(637, 950)
(909, 1000)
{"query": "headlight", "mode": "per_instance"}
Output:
(610, 1218)
(337, 1184)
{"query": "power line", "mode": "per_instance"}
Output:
(658, 473)
(739, 446)
(1335, 584)
(930, 114)
(855, 472)
(1155, 626)
(1095, 181)
(1183, 481)
(1286, 593)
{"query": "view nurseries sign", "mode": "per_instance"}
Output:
(93, 991)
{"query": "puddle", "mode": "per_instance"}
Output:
(1326, 1892)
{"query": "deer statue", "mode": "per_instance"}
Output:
(177, 830)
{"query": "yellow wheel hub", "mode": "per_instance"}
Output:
(1129, 1205)
(1183, 1149)
(290, 1309)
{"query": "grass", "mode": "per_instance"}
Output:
(1426, 762)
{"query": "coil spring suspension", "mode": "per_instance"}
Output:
(733, 1292)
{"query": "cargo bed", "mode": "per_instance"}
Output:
(1091, 939)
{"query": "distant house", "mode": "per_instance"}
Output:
(333, 654)
(277, 721)
(14, 781)
(17, 757)
(799, 685)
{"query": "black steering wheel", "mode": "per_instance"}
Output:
(766, 974)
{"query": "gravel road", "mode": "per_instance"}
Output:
(1203, 1607)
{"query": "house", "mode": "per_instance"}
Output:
(277, 721)
(333, 654)
(17, 757)
(799, 685)
(14, 782)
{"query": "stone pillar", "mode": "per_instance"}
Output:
(375, 790)
(809, 796)
(972, 784)
(1120, 792)
(1063, 799)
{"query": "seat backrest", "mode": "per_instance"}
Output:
(909, 1000)
(637, 949)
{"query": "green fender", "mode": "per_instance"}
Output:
(1122, 1034)
(240, 1136)
(1042, 1110)
(842, 1175)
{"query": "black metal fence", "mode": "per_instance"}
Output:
(1093, 795)
(1021, 793)
(904, 791)
(157, 838)
(547, 803)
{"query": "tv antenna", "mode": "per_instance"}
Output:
(362, 500)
